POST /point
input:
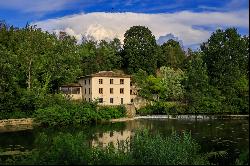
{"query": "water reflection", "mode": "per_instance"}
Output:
(213, 135)
(111, 137)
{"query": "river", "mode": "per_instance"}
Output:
(227, 135)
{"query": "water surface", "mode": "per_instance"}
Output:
(231, 136)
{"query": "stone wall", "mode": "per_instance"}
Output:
(22, 121)
(130, 110)
(11, 125)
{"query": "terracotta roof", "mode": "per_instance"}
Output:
(71, 85)
(107, 74)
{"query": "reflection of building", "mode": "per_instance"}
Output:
(112, 137)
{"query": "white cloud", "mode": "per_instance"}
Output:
(182, 24)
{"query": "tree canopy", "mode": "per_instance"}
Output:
(172, 55)
(140, 50)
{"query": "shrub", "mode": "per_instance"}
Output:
(162, 108)
(76, 113)
(145, 111)
(106, 112)
(53, 116)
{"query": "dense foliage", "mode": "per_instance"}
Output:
(163, 108)
(165, 86)
(78, 113)
(215, 79)
(226, 57)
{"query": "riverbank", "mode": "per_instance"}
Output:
(13, 125)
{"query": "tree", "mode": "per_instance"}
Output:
(100, 56)
(33, 64)
(9, 94)
(140, 50)
(201, 97)
(171, 80)
(165, 87)
(171, 55)
(226, 56)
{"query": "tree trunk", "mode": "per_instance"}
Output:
(29, 75)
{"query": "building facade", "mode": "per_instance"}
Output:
(107, 87)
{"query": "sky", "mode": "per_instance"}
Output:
(190, 22)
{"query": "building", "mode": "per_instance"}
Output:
(108, 87)
(73, 91)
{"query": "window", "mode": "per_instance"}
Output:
(121, 90)
(100, 81)
(75, 90)
(89, 99)
(100, 100)
(89, 81)
(121, 100)
(121, 81)
(131, 84)
(89, 90)
(65, 90)
(100, 91)
(111, 90)
(85, 91)
(85, 81)
(111, 81)
(111, 100)
(132, 100)
(131, 92)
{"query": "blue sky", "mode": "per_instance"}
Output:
(187, 20)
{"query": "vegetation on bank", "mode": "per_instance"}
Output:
(76, 113)
(34, 64)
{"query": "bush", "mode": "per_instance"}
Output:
(29, 102)
(76, 113)
(162, 108)
(145, 111)
(106, 112)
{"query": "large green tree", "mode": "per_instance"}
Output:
(226, 56)
(140, 50)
